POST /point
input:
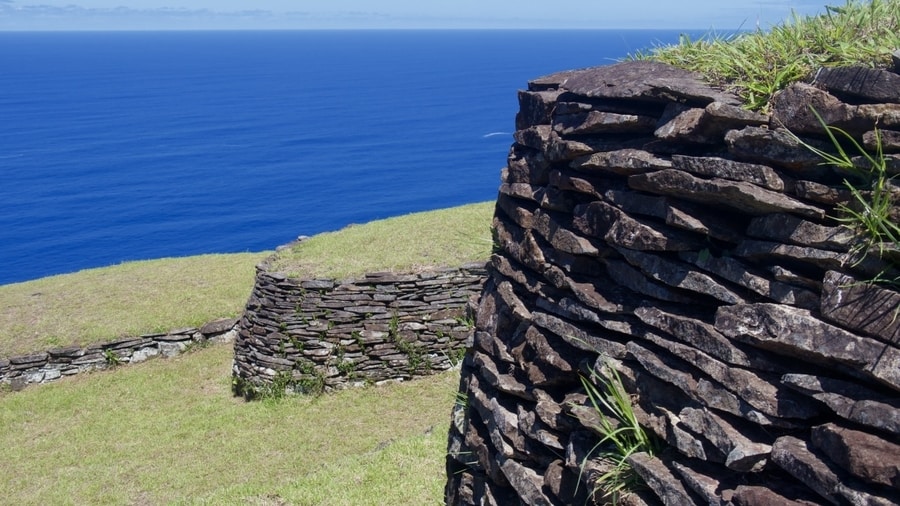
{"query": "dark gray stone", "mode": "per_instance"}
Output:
(742, 196)
(561, 237)
(773, 147)
(527, 483)
(850, 401)
(795, 332)
(796, 106)
(601, 220)
(535, 108)
(679, 275)
(599, 122)
(752, 495)
(642, 80)
(739, 273)
(888, 139)
(677, 214)
(817, 192)
(866, 83)
(800, 461)
(623, 162)
(657, 475)
(861, 306)
(694, 332)
(742, 453)
(536, 137)
(219, 326)
(760, 175)
(708, 125)
(790, 229)
(635, 280)
(863, 455)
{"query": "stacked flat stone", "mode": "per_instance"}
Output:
(334, 333)
(648, 224)
(46, 366)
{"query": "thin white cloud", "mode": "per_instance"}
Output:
(223, 14)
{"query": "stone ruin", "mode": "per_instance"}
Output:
(648, 224)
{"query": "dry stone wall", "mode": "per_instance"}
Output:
(647, 224)
(45, 366)
(313, 335)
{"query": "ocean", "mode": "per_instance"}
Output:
(120, 146)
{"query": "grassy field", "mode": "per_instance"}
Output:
(169, 431)
(130, 299)
(135, 298)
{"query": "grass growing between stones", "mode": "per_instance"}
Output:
(759, 63)
(171, 432)
(129, 299)
(443, 238)
(621, 437)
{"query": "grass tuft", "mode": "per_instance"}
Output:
(621, 436)
(757, 64)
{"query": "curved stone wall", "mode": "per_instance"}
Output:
(648, 225)
(313, 335)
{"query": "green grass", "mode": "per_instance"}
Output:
(757, 64)
(134, 298)
(443, 238)
(169, 431)
(129, 299)
(621, 436)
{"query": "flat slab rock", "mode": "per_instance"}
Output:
(874, 85)
(795, 332)
(740, 195)
(640, 80)
(850, 401)
(863, 307)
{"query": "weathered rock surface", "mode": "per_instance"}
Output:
(326, 334)
(647, 226)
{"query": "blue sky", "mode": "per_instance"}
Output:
(230, 14)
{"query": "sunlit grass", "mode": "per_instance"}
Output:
(442, 238)
(129, 299)
(170, 431)
(759, 63)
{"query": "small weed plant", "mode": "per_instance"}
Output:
(873, 194)
(622, 436)
(112, 358)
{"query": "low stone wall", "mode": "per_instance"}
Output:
(648, 225)
(313, 335)
(46, 366)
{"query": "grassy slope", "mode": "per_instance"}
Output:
(169, 430)
(403, 243)
(141, 297)
(124, 300)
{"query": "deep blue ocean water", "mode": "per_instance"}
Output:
(118, 146)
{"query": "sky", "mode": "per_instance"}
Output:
(393, 14)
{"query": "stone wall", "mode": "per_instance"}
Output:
(649, 225)
(46, 366)
(313, 335)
